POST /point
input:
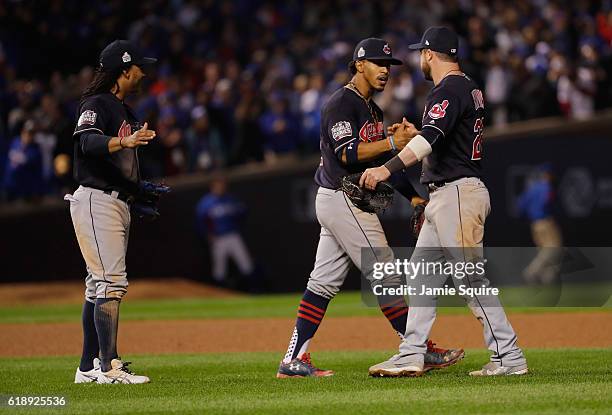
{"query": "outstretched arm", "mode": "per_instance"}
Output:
(415, 151)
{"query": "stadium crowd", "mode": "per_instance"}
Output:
(243, 81)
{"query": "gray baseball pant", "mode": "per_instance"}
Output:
(102, 225)
(342, 238)
(453, 231)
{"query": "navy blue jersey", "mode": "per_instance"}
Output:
(453, 121)
(345, 118)
(108, 116)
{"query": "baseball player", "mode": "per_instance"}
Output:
(450, 147)
(352, 138)
(536, 203)
(219, 215)
(106, 167)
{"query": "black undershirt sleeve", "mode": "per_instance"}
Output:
(93, 144)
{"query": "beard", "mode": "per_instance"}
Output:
(426, 69)
(376, 85)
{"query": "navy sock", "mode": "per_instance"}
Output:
(91, 346)
(396, 311)
(310, 313)
(106, 317)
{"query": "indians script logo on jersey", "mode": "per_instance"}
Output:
(125, 130)
(341, 129)
(371, 132)
(87, 118)
(438, 110)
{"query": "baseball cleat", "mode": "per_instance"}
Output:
(90, 375)
(437, 358)
(493, 369)
(121, 374)
(300, 368)
(398, 366)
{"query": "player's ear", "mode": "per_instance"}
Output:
(359, 66)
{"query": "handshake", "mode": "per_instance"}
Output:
(402, 133)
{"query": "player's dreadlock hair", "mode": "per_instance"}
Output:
(103, 81)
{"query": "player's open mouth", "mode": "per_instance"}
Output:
(383, 79)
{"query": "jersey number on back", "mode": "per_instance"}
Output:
(477, 144)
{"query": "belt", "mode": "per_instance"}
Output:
(127, 198)
(433, 186)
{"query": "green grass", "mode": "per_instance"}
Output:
(562, 381)
(346, 304)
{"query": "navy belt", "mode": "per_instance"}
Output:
(433, 186)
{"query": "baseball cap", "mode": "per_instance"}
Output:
(439, 39)
(122, 54)
(374, 49)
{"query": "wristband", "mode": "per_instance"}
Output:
(395, 164)
(392, 142)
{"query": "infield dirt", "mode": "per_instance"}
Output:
(582, 329)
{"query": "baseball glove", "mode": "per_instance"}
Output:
(417, 218)
(145, 203)
(371, 201)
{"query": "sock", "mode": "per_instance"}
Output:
(91, 346)
(106, 317)
(396, 311)
(310, 313)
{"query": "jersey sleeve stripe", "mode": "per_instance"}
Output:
(88, 129)
(343, 144)
(433, 126)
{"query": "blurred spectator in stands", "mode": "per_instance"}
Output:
(52, 120)
(51, 126)
(496, 88)
(235, 59)
(590, 61)
(23, 177)
(310, 102)
(531, 95)
(604, 26)
(576, 91)
(221, 113)
(280, 129)
(197, 141)
(219, 217)
(480, 42)
(536, 204)
(171, 138)
(396, 101)
(24, 93)
(249, 139)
